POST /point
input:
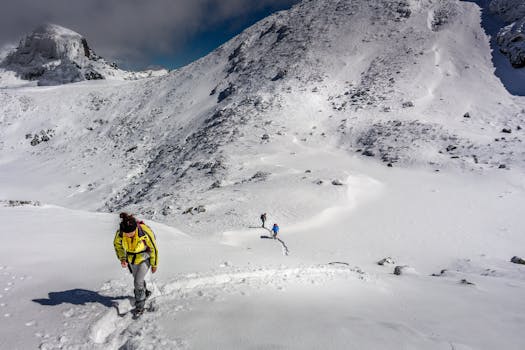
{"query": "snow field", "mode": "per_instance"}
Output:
(357, 76)
(237, 290)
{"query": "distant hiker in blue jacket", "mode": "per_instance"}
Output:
(275, 230)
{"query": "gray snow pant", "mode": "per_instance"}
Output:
(139, 272)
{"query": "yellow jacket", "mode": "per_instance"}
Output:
(138, 248)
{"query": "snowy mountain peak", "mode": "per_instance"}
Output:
(54, 41)
(54, 55)
(395, 81)
(54, 31)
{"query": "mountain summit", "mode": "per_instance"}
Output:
(405, 83)
(54, 55)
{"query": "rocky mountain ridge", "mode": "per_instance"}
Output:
(405, 83)
(54, 55)
(511, 38)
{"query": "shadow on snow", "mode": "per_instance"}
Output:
(78, 297)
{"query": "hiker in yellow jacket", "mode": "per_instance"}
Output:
(136, 249)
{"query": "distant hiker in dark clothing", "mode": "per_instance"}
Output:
(136, 250)
(275, 230)
(263, 219)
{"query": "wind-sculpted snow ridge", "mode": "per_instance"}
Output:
(54, 55)
(114, 328)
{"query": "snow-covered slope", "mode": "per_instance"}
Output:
(365, 129)
(53, 55)
(63, 288)
(406, 83)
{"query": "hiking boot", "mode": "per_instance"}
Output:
(139, 309)
(148, 293)
(137, 312)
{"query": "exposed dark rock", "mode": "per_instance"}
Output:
(43, 136)
(280, 75)
(337, 182)
(466, 115)
(517, 260)
(268, 31)
(407, 104)
(387, 260)
(260, 176)
(282, 33)
(20, 203)
(193, 210)
(398, 270)
(506, 130)
(230, 90)
(368, 153)
(466, 282)
(87, 50)
(236, 52)
(441, 273)
(511, 40)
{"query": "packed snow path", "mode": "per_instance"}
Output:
(112, 327)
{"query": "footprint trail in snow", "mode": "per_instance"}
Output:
(114, 328)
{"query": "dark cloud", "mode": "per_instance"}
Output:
(128, 29)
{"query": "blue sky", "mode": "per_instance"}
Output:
(205, 41)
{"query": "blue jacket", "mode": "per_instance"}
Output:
(275, 228)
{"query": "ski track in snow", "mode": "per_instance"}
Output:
(114, 328)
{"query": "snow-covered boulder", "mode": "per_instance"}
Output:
(387, 260)
(511, 40)
(517, 260)
(54, 55)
